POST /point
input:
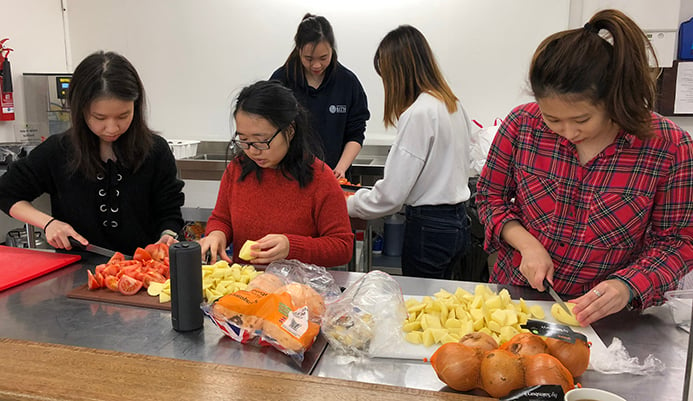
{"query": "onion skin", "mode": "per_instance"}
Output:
(546, 369)
(501, 373)
(458, 366)
(479, 340)
(526, 344)
(575, 357)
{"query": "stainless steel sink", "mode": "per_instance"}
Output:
(211, 157)
(211, 160)
(370, 161)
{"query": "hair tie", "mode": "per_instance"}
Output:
(591, 28)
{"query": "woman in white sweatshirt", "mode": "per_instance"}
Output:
(427, 167)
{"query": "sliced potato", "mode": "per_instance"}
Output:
(244, 253)
(562, 316)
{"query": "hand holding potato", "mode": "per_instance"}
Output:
(269, 248)
(611, 296)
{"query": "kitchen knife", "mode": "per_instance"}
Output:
(91, 248)
(549, 288)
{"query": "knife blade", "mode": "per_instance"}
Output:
(91, 248)
(549, 288)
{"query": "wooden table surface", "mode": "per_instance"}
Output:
(41, 371)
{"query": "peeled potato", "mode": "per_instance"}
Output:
(562, 316)
(244, 253)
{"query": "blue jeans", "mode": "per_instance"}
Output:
(435, 240)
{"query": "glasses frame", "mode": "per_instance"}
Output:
(246, 145)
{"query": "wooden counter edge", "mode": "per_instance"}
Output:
(41, 371)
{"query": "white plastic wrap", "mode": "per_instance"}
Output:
(367, 317)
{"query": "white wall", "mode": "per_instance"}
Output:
(35, 29)
(193, 55)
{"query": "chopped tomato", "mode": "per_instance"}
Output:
(157, 251)
(149, 264)
(117, 257)
(99, 268)
(92, 281)
(128, 285)
(99, 279)
(111, 282)
(141, 255)
(152, 276)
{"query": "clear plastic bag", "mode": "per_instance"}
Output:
(316, 277)
(366, 317)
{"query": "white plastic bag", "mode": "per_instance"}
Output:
(480, 146)
(366, 317)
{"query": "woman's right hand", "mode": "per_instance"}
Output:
(215, 244)
(536, 265)
(57, 233)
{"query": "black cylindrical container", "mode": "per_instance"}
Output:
(186, 286)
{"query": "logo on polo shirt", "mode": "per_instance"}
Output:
(338, 108)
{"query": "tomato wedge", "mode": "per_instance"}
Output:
(128, 285)
(92, 281)
(117, 257)
(157, 251)
(141, 255)
(111, 282)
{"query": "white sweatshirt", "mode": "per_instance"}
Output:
(427, 164)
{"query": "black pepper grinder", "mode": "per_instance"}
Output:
(186, 286)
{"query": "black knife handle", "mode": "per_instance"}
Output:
(76, 244)
(547, 285)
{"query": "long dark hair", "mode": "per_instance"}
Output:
(611, 70)
(106, 75)
(313, 29)
(406, 63)
(277, 104)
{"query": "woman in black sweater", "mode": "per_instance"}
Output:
(112, 181)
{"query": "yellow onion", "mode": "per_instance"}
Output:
(501, 372)
(480, 340)
(526, 344)
(546, 369)
(457, 366)
(575, 357)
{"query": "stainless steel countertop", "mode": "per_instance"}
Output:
(40, 311)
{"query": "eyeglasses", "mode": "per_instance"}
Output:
(259, 145)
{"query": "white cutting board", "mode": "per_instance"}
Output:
(399, 348)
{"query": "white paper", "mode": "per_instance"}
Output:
(683, 100)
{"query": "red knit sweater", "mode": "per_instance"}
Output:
(314, 218)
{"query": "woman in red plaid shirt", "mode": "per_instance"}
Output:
(588, 187)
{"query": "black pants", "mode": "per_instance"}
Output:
(436, 237)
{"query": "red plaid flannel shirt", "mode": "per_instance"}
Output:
(626, 214)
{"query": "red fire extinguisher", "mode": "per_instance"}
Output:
(6, 98)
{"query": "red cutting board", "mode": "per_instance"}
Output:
(19, 265)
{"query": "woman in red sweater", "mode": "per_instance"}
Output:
(275, 190)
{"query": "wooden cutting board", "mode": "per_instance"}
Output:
(141, 299)
(19, 265)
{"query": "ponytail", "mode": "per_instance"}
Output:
(605, 62)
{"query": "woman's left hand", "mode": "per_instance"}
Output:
(273, 247)
(606, 298)
(167, 239)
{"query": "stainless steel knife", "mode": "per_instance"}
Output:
(91, 248)
(554, 295)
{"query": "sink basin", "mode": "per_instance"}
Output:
(362, 161)
(370, 161)
(208, 156)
